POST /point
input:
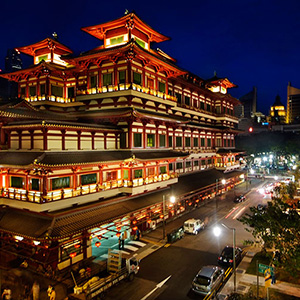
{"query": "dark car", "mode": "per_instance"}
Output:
(239, 199)
(226, 256)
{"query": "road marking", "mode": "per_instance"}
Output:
(158, 286)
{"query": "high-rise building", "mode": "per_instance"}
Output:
(247, 107)
(293, 104)
(277, 112)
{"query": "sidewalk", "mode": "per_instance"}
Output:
(244, 280)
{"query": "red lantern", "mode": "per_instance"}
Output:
(134, 222)
(97, 244)
(135, 228)
(118, 234)
(149, 221)
(77, 246)
(73, 254)
(161, 216)
(118, 228)
(99, 237)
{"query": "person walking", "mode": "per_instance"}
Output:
(138, 234)
(6, 295)
(35, 290)
(122, 241)
(51, 293)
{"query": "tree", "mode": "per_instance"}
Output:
(277, 226)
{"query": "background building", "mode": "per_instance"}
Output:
(293, 104)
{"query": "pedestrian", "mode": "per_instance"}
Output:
(138, 233)
(120, 246)
(123, 241)
(35, 290)
(273, 274)
(51, 293)
(6, 295)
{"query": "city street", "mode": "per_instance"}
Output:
(180, 261)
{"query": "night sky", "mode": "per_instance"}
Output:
(252, 43)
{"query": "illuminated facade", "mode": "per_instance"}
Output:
(293, 104)
(119, 119)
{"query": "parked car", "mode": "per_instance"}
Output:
(226, 256)
(208, 279)
(193, 226)
(239, 199)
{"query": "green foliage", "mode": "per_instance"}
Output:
(277, 226)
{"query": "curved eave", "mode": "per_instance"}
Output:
(30, 49)
(99, 31)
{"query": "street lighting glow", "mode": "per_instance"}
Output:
(172, 199)
(223, 181)
(217, 231)
(276, 177)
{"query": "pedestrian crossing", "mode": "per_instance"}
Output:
(129, 248)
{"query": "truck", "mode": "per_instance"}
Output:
(119, 266)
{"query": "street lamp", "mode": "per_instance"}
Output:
(217, 231)
(172, 200)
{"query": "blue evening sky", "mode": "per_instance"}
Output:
(251, 42)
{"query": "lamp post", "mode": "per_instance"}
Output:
(172, 200)
(217, 232)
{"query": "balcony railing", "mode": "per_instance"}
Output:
(37, 197)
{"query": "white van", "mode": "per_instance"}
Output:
(193, 226)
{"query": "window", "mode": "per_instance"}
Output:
(208, 142)
(202, 106)
(179, 165)
(178, 96)
(93, 81)
(209, 161)
(56, 90)
(196, 163)
(203, 163)
(122, 76)
(138, 173)
(218, 109)
(59, 183)
(163, 170)
(107, 79)
(123, 140)
(32, 90)
(71, 92)
(218, 142)
(140, 42)
(42, 89)
(151, 171)
(16, 182)
(150, 140)
(188, 164)
(125, 174)
(137, 78)
(196, 142)
(170, 92)
(208, 107)
(150, 83)
(22, 91)
(162, 87)
(170, 141)
(88, 179)
(171, 167)
(137, 140)
(111, 176)
(162, 140)
(202, 142)
(187, 100)
(35, 184)
(178, 141)
(187, 142)
(117, 40)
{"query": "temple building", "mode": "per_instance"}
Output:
(277, 112)
(120, 121)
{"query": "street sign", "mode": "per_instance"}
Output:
(262, 268)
